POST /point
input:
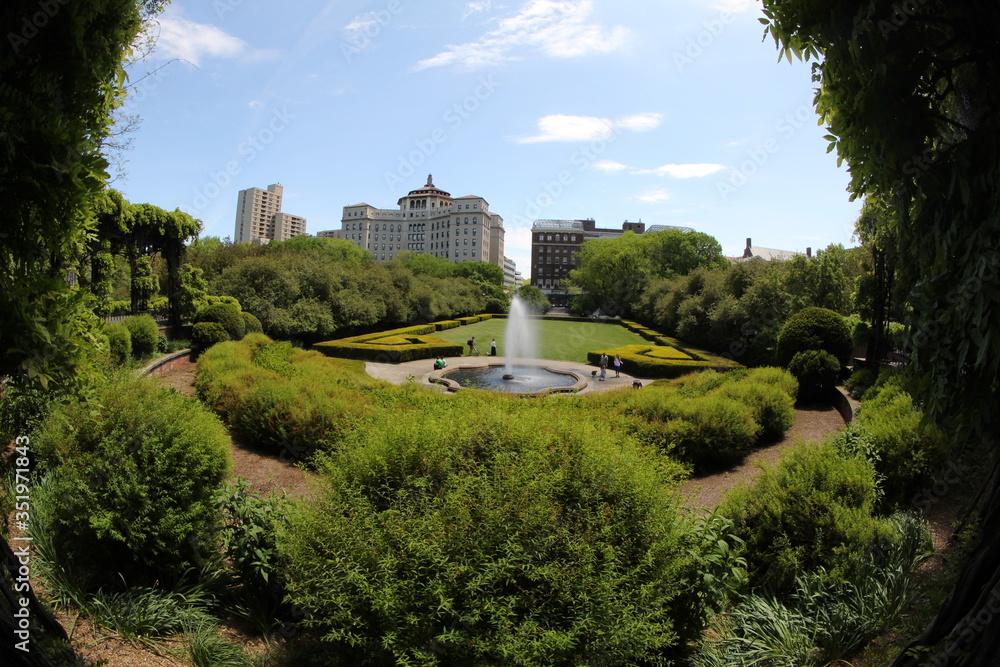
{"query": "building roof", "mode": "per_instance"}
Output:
(652, 229)
(429, 189)
(751, 251)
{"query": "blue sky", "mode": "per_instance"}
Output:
(675, 113)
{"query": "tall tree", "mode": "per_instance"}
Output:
(910, 93)
(61, 77)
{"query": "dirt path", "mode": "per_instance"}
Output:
(265, 471)
(812, 422)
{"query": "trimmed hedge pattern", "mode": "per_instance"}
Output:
(394, 346)
(637, 360)
(669, 359)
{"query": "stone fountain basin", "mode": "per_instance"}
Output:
(529, 379)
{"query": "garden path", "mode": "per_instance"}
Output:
(265, 473)
(813, 422)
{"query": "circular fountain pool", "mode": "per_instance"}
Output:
(525, 380)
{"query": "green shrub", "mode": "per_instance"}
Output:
(813, 509)
(292, 401)
(466, 536)
(816, 372)
(206, 334)
(859, 382)
(638, 361)
(707, 431)
(226, 314)
(249, 540)
(904, 448)
(824, 622)
(252, 324)
(775, 376)
(131, 480)
(145, 334)
(119, 342)
(772, 408)
(814, 329)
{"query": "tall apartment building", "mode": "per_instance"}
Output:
(259, 217)
(555, 244)
(459, 229)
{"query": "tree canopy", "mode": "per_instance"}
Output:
(910, 93)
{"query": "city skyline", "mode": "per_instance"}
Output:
(674, 114)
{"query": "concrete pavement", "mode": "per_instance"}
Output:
(422, 368)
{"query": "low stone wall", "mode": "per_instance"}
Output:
(165, 363)
(845, 405)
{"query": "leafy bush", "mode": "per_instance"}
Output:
(249, 540)
(226, 314)
(131, 479)
(707, 431)
(892, 433)
(814, 329)
(252, 324)
(394, 346)
(816, 371)
(145, 334)
(119, 342)
(206, 334)
(859, 382)
(772, 408)
(464, 536)
(293, 401)
(813, 509)
(823, 622)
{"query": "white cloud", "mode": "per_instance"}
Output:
(610, 166)
(185, 39)
(554, 28)
(699, 170)
(255, 104)
(641, 122)
(559, 127)
(476, 7)
(653, 196)
(563, 127)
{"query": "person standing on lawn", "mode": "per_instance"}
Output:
(493, 347)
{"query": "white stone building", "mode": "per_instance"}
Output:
(459, 229)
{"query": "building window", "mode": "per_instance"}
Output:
(475, 220)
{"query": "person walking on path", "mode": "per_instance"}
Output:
(472, 346)
(604, 365)
(493, 347)
(618, 365)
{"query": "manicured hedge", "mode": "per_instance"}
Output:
(447, 324)
(228, 315)
(814, 329)
(145, 334)
(119, 342)
(637, 361)
(392, 346)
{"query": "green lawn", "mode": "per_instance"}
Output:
(564, 341)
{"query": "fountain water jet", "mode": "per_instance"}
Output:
(520, 336)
